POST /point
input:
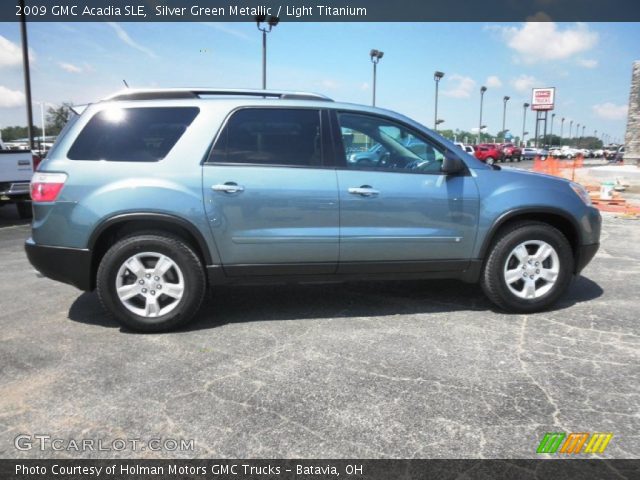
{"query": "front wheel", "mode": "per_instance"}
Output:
(151, 282)
(529, 266)
(490, 161)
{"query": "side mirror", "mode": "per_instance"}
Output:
(452, 164)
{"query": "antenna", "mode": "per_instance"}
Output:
(125, 83)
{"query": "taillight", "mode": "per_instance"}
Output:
(36, 161)
(45, 187)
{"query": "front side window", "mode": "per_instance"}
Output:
(270, 136)
(377, 143)
(132, 134)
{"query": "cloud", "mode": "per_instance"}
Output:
(70, 67)
(544, 41)
(364, 86)
(493, 81)
(225, 29)
(462, 86)
(588, 63)
(10, 98)
(11, 54)
(124, 36)
(610, 111)
(524, 83)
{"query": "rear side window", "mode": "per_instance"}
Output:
(270, 136)
(132, 134)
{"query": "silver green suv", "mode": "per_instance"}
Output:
(151, 196)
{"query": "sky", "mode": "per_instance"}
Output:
(589, 64)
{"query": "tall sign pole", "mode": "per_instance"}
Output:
(27, 73)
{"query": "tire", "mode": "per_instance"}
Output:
(502, 263)
(149, 308)
(24, 210)
(490, 161)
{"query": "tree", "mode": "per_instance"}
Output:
(57, 118)
(12, 133)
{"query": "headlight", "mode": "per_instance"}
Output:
(581, 192)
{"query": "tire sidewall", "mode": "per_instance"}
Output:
(186, 260)
(531, 233)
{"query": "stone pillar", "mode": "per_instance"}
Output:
(632, 137)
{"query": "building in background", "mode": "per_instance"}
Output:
(632, 137)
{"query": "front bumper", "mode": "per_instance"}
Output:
(67, 265)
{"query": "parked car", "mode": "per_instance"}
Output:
(373, 156)
(489, 153)
(619, 156)
(151, 197)
(511, 152)
(465, 148)
(529, 153)
(599, 153)
(16, 170)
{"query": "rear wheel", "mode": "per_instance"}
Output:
(151, 282)
(529, 266)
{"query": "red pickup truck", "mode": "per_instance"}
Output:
(488, 152)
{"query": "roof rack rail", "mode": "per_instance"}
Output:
(178, 93)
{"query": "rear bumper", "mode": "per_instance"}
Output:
(15, 190)
(584, 255)
(67, 265)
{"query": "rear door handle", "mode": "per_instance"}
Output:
(364, 191)
(229, 187)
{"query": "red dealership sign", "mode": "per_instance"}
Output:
(543, 98)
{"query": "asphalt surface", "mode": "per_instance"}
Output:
(390, 369)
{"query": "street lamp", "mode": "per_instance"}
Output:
(578, 135)
(525, 105)
(438, 122)
(265, 26)
(375, 55)
(504, 113)
(437, 76)
(482, 90)
(570, 129)
(561, 129)
(553, 116)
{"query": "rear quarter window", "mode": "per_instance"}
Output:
(132, 134)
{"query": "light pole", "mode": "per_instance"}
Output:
(437, 76)
(482, 90)
(577, 135)
(27, 73)
(570, 129)
(525, 105)
(553, 116)
(375, 55)
(504, 113)
(265, 26)
(561, 129)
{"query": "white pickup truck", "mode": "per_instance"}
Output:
(16, 169)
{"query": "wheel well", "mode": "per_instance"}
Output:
(558, 221)
(111, 234)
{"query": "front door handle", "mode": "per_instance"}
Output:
(229, 187)
(364, 191)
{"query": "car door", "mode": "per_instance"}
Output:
(402, 214)
(271, 202)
